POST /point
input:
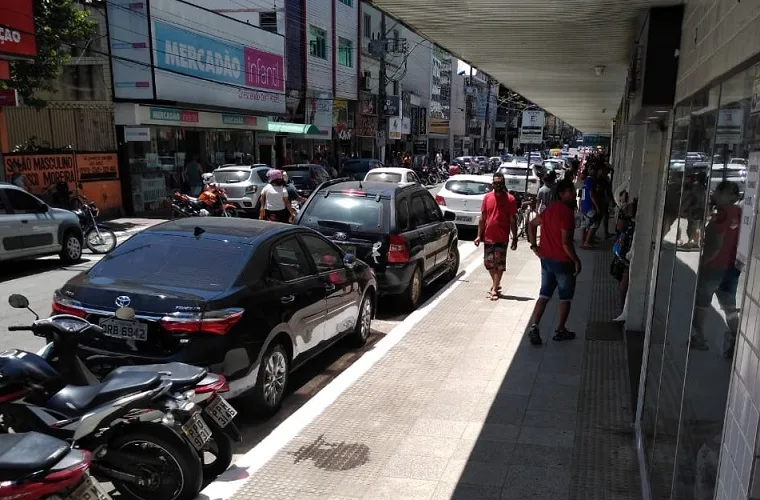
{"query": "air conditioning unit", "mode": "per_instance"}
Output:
(367, 81)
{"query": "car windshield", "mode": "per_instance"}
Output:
(383, 177)
(472, 188)
(231, 176)
(359, 211)
(151, 259)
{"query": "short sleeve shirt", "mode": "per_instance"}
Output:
(498, 212)
(556, 218)
(275, 197)
(588, 187)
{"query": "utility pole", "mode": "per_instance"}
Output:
(467, 114)
(381, 92)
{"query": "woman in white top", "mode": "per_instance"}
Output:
(274, 200)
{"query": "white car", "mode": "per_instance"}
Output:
(463, 195)
(514, 176)
(395, 175)
(29, 227)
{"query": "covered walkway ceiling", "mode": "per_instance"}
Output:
(545, 50)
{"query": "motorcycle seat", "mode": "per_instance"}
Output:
(74, 400)
(182, 375)
(28, 452)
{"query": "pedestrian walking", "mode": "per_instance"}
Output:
(547, 191)
(498, 217)
(589, 209)
(559, 263)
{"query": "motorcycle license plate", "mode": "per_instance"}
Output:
(464, 218)
(127, 330)
(89, 490)
(220, 411)
(197, 431)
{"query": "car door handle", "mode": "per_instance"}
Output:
(287, 299)
(329, 287)
(24, 221)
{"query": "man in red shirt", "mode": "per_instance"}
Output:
(559, 262)
(498, 216)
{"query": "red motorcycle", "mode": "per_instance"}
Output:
(36, 466)
(212, 202)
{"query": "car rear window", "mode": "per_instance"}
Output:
(360, 212)
(513, 171)
(231, 176)
(383, 177)
(174, 261)
(299, 175)
(468, 187)
(357, 166)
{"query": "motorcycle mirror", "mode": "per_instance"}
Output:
(125, 313)
(18, 301)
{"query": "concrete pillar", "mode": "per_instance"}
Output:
(648, 167)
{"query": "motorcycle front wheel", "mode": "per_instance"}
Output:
(100, 243)
(178, 477)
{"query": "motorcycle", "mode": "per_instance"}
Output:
(211, 202)
(98, 238)
(61, 353)
(143, 456)
(35, 466)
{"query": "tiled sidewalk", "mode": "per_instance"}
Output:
(463, 407)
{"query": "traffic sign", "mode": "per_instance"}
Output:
(532, 127)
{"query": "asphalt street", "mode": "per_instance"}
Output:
(37, 279)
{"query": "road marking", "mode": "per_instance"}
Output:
(226, 485)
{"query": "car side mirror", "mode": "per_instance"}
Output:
(449, 216)
(44, 209)
(349, 260)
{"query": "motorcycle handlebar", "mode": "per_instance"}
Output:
(16, 328)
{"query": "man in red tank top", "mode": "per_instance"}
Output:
(498, 217)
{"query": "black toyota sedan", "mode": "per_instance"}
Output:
(250, 299)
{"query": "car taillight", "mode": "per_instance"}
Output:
(62, 305)
(215, 322)
(440, 200)
(219, 385)
(250, 189)
(398, 253)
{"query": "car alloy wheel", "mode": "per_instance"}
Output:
(73, 248)
(365, 320)
(275, 374)
(416, 287)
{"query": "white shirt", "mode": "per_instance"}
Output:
(274, 197)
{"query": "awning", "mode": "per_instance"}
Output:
(292, 128)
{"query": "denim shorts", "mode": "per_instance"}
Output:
(557, 274)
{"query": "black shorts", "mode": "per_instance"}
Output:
(277, 215)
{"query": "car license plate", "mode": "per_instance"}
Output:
(197, 431)
(515, 182)
(220, 411)
(464, 218)
(89, 489)
(127, 330)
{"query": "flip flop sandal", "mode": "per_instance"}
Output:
(494, 296)
(564, 334)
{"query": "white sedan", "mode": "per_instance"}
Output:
(394, 175)
(463, 195)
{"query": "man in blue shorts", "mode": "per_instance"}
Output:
(559, 263)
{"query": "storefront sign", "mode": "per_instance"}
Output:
(5, 70)
(97, 166)
(8, 97)
(369, 103)
(532, 127)
(392, 106)
(173, 115)
(406, 126)
(394, 128)
(228, 119)
(419, 147)
(438, 126)
(749, 208)
(366, 126)
(17, 38)
(730, 126)
(42, 171)
(343, 132)
(320, 114)
(129, 37)
(136, 134)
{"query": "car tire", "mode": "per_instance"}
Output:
(452, 261)
(71, 248)
(413, 293)
(272, 380)
(363, 323)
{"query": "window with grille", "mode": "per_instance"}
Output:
(317, 42)
(367, 26)
(268, 21)
(350, 3)
(345, 53)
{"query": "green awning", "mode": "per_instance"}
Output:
(292, 128)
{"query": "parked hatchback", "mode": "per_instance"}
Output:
(357, 168)
(243, 185)
(463, 196)
(29, 227)
(399, 230)
(250, 299)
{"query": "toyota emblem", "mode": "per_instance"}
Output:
(123, 301)
(341, 236)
